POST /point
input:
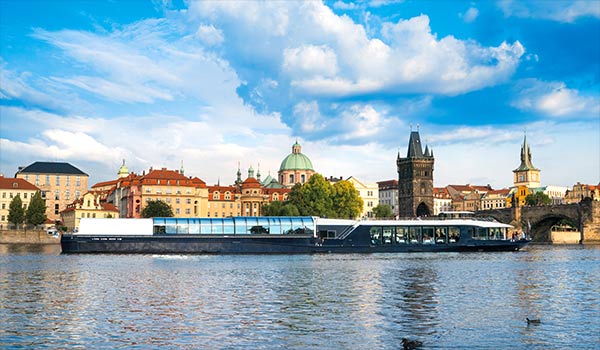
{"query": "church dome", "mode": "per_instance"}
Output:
(296, 160)
(123, 170)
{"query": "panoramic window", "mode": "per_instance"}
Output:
(375, 235)
(441, 235)
(427, 235)
(401, 235)
(414, 235)
(388, 235)
(453, 234)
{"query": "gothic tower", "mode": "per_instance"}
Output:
(526, 174)
(415, 179)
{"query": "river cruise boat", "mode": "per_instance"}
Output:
(286, 235)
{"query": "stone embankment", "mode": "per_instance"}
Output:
(27, 237)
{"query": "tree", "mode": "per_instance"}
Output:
(157, 209)
(313, 198)
(272, 209)
(538, 198)
(347, 203)
(16, 213)
(36, 212)
(382, 211)
(289, 209)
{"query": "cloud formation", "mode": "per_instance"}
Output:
(561, 11)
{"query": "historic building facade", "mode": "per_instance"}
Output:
(415, 179)
(295, 168)
(9, 189)
(87, 206)
(388, 194)
(60, 184)
(369, 192)
(442, 201)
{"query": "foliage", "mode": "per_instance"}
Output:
(36, 212)
(538, 198)
(157, 208)
(382, 211)
(317, 197)
(277, 208)
(347, 203)
(16, 213)
(289, 209)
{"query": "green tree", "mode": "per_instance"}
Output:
(36, 212)
(16, 213)
(157, 209)
(382, 211)
(347, 203)
(314, 198)
(289, 209)
(538, 198)
(272, 209)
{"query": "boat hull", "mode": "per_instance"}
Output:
(187, 244)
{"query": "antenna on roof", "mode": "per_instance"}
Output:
(417, 127)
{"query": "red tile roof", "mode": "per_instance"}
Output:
(8, 183)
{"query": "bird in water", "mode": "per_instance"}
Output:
(410, 344)
(533, 321)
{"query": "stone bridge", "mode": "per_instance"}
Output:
(537, 220)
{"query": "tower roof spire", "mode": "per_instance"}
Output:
(526, 163)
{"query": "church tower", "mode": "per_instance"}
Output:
(415, 179)
(526, 174)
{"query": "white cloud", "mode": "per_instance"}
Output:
(116, 91)
(340, 59)
(310, 60)
(209, 34)
(554, 99)
(560, 11)
(470, 15)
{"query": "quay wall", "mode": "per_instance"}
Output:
(27, 237)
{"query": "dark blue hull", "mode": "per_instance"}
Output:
(174, 244)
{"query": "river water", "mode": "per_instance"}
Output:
(445, 300)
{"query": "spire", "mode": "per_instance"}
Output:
(526, 163)
(251, 172)
(426, 151)
(414, 146)
(181, 170)
(258, 173)
(296, 148)
(239, 175)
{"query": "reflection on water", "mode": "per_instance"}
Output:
(448, 301)
(26, 248)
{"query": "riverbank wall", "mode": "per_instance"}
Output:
(27, 237)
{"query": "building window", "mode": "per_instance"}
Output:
(3, 194)
(187, 211)
(68, 180)
(78, 181)
(177, 200)
(216, 195)
(291, 178)
(47, 180)
(3, 205)
(57, 180)
(77, 194)
(177, 211)
(302, 178)
(67, 194)
(56, 195)
(56, 209)
(188, 201)
(25, 195)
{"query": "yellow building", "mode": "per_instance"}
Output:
(60, 184)
(369, 192)
(87, 206)
(9, 189)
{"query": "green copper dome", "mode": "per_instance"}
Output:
(296, 160)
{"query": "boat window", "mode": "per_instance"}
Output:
(401, 234)
(376, 235)
(297, 226)
(479, 232)
(183, 228)
(205, 226)
(228, 227)
(388, 235)
(275, 226)
(259, 230)
(441, 235)
(453, 234)
(427, 235)
(496, 233)
(217, 227)
(414, 235)
(171, 226)
(194, 226)
(286, 226)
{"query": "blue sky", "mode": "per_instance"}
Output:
(216, 83)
